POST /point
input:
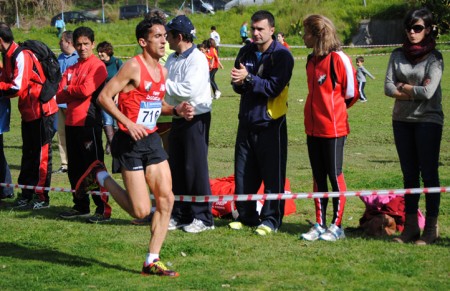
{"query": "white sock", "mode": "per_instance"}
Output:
(101, 176)
(149, 258)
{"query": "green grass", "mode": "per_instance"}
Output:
(40, 251)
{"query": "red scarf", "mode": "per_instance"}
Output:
(414, 52)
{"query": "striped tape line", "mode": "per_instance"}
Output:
(255, 197)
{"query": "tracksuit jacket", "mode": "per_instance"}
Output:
(269, 79)
(325, 112)
(22, 82)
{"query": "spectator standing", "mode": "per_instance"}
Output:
(332, 88)
(60, 26)
(361, 73)
(21, 77)
(105, 52)
(79, 88)
(5, 173)
(214, 67)
(188, 80)
(243, 32)
(216, 36)
(67, 58)
(261, 75)
(413, 78)
(282, 40)
(137, 147)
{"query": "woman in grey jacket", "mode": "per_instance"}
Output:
(413, 78)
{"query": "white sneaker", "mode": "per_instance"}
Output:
(173, 224)
(218, 94)
(197, 226)
(314, 233)
(333, 233)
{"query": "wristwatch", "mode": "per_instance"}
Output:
(174, 111)
(248, 79)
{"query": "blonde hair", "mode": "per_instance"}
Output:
(324, 33)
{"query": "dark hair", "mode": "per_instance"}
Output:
(281, 33)
(360, 59)
(263, 14)
(105, 47)
(415, 15)
(187, 37)
(213, 27)
(67, 36)
(201, 45)
(212, 42)
(143, 27)
(83, 31)
(158, 13)
(6, 33)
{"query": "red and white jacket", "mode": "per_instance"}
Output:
(332, 87)
(24, 82)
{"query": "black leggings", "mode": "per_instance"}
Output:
(212, 77)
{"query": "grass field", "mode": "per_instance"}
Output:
(40, 251)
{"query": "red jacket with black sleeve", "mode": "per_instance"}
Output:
(332, 89)
(79, 88)
(24, 80)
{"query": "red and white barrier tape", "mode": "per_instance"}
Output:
(255, 197)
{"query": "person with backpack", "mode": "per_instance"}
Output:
(105, 52)
(333, 88)
(23, 76)
(79, 88)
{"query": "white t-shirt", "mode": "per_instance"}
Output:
(215, 35)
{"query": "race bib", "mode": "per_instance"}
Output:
(149, 113)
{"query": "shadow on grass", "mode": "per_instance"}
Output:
(22, 252)
(53, 213)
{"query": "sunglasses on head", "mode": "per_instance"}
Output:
(417, 28)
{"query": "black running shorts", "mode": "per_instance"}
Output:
(136, 155)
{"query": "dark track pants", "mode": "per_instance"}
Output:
(84, 146)
(188, 160)
(36, 163)
(260, 156)
(326, 156)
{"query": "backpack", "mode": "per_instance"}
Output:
(49, 63)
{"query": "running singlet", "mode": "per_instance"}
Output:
(143, 104)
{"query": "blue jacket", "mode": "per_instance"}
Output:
(271, 74)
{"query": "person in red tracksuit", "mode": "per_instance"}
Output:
(332, 89)
(79, 88)
(20, 78)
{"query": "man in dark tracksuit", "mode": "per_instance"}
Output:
(261, 73)
(22, 76)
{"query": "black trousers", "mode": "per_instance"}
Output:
(260, 156)
(36, 163)
(188, 160)
(84, 146)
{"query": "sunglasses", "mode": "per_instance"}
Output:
(416, 28)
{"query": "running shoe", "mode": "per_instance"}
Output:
(197, 226)
(333, 233)
(38, 204)
(314, 233)
(158, 268)
(21, 203)
(263, 230)
(73, 213)
(98, 218)
(236, 225)
(175, 224)
(88, 181)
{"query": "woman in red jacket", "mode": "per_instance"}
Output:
(332, 89)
